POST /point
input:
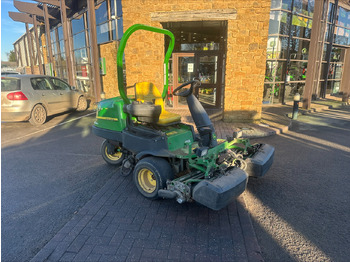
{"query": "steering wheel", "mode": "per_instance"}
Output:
(185, 93)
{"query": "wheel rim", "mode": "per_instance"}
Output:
(116, 156)
(82, 103)
(147, 180)
(39, 115)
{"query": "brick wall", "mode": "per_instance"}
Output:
(110, 80)
(246, 50)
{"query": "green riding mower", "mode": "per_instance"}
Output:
(166, 157)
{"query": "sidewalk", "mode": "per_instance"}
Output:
(119, 224)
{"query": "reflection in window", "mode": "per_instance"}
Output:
(79, 40)
(279, 23)
(208, 69)
(60, 33)
(106, 21)
(81, 56)
(301, 27)
(277, 47)
(299, 49)
(101, 13)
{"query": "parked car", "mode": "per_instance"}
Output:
(34, 97)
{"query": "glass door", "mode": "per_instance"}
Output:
(184, 71)
(209, 75)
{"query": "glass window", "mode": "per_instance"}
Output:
(297, 71)
(208, 69)
(343, 17)
(279, 23)
(102, 33)
(337, 54)
(59, 84)
(62, 50)
(10, 84)
(287, 4)
(82, 70)
(277, 47)
(119, 8)
(79, 40)
(342, 36)
(301, 27)
(53, 35)
(305, 7)
(78, 25)
(81, 56)
(275, 71)
(40, 84)
(60, 33)
(299, 49)
(101, 13)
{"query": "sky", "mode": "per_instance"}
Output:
(10, 30)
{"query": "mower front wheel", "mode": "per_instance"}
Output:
(112, 154)
(151, 174)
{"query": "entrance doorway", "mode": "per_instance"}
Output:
(205, 67)
(199, 53)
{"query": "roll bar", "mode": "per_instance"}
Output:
(120, 55)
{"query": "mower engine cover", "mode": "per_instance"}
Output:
(218, 193)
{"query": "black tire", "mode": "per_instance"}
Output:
(113, 159)
(38, 115)
(82, 104)
(151, 174)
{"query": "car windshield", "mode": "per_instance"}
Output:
(10, 84)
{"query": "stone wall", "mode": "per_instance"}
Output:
(110, 80)
(246, 49)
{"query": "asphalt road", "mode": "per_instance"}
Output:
(47, 173)
(300, 209)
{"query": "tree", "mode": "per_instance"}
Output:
(12, 56)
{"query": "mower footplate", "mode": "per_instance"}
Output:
(220, 192)
(260, 163)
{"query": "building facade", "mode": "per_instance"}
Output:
(247, 54)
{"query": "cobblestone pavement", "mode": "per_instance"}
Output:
(119, 224)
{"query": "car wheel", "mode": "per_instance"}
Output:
(38, 115)
(82, 104)
(112, 154)
(151, 174)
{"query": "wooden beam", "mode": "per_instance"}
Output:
(311, 66)
(195, 15)
(31, 56)
(29, 8)
(345, 82)
(21, 17)
(67, 47)
(25, 50)
(50, 2)
(48, 37)
(94, 49)
(17, 56)
(38, 52)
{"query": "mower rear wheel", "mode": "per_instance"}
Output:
(151, 174)
(115, 157)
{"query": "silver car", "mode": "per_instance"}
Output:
(34, 97)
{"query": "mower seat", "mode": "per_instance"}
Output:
(148, 92)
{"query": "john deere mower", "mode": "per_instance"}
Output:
(166, 157)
